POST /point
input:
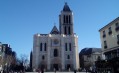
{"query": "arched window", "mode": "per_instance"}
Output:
(69, 46)
(55, 53)
(45, 47)
(65, 30)
(43, 57)
(40, 46)
(68, 57)
(69, 30)
(69, 19)
(65, 46)
(64, 19)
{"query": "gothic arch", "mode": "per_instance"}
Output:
(55, 52)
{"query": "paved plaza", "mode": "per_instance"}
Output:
(57, 72)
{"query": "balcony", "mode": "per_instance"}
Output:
(104, 36)
(110, 32)
(117, 28)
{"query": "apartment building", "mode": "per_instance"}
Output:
(7, 56)
(109, 36)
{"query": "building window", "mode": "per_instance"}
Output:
(69, 46)
(118, 39)
(64, 18)
(67, 19)
(55, 53)
(104, 35)
(45, 47)
(40, 46)
(117, 26)
(65, 30)
(105, 44)
(68, 57)
(69, 30)
(110, 31)
(65, 46)
(43, 57)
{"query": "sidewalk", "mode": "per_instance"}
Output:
(56, 72)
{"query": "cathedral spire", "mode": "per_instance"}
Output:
(66, 7)
(66, 21)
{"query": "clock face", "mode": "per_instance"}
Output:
(56, 41)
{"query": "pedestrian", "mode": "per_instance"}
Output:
(74, 71)
(55, 70)
(42, 71)
(38, 70)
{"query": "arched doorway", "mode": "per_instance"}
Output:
(68, 66)
(43, 65)
(56, 66)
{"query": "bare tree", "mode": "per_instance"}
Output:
(24, 60)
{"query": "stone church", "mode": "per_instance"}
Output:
(57, 50)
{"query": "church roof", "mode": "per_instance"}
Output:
(66, 7)
(54, 30)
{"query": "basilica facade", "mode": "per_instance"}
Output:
(57, 50)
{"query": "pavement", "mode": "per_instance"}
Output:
(56, 72)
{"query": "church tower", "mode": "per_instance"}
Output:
(57, 50)
(66, 21)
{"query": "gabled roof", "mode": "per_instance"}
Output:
(66, 8)
(54, 30)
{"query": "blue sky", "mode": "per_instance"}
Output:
(21, 19)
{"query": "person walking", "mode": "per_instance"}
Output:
(74, 71)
